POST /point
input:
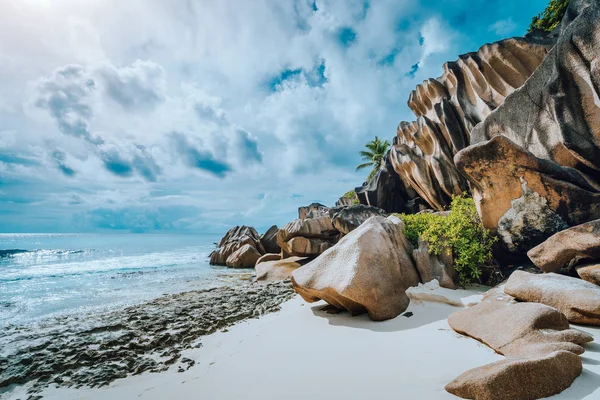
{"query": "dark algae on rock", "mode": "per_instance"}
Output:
(95, 349)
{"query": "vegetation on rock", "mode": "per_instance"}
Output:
(351, 195)
(461, 230)
(549, 19)
(374, 153)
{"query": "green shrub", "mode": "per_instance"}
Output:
(550, 18)
(460, 231)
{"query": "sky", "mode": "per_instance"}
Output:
(198, 115)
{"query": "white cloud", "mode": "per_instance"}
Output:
(503, 27)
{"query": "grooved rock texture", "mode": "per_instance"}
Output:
(568, 247)
(577, 299)
(307, 237)
(541, 350)
(449, 107)
(553, 126)
(233, 240)
(313, 210)
(368, 271)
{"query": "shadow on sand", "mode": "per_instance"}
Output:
(421, 315)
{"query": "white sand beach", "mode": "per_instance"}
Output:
(302, 352)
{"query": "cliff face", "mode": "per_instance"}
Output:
(449, 107)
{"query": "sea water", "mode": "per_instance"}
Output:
(43, 275)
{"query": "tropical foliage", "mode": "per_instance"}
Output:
(549, 19)
(461, 231)
(372, 156)
(351, 195)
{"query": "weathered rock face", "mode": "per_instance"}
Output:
(386, 190)
(347, 219)
(431, 266)
(522, 197)
(569, 247)
(314, 210)
(233, 240)
(307, 237)
(347, 200)
(577, 299)
(278, 270)
(368, 271)
(541, 350)
(269, 240)
(244, 257)
(449, 107)
(553, 123)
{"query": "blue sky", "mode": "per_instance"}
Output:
(196, 115)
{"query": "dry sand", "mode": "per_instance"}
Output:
(304, 353)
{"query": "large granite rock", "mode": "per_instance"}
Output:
(522, 197)
(244, 257)
(519, 379)
(368, 271)
(553, 126)
(447, 109)
(577, 299)
(307, 237)
(233, 240)
(541, 350)
(269, 240)
(569, 247)
(278, 270)
(347, 219)
(431, 266)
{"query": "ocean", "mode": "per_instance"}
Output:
(47, 275)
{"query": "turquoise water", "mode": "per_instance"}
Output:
(45, 275)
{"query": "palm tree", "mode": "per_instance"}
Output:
(375, 150)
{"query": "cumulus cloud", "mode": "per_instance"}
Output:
(139, 87)
(66, 96)
(263, 98)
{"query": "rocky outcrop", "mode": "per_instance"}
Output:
(386, 190)
(244, 257)
(449, 107)
(235, 239)
(577, 299)
(568, 248)
(524, 198)
(368, 271)
(347, 219)
(551, 131)
(348, 199)
(315, 210)
(307, 237)
(269, 240)
(541, 350)
(278, 270)
(431, 266)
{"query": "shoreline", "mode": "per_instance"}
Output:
(301, 351)
(92, 350)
